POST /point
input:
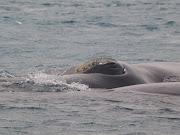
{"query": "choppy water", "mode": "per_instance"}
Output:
(42, 34)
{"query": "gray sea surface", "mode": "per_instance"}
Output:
(37, 35)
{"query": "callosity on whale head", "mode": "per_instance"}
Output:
(102, 65)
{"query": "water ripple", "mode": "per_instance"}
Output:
(51, 4)
(69, 22)
(119, 108)
(170, 118)
(112, 101)
(106, 25)
(150, 27)
(20, 108)
(135, 133)
(167, 110)
(170, 23)
(120, 4)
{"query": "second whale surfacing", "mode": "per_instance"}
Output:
(107, 73)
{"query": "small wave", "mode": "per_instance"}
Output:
(170, 118)
(150, 27)
(69, 22)
(18, 22)
(20, 108)
(158, 60)
(6, 17)
(51, 5)
(119, 4)
(135, 133)
(55, 22)
(163, 9)
(147, 3)
(170, 23)
(159, 18)
(77, 5)
(6, 74)
(48, 22)
(119, 108)
(10, 8)
(112, 101)
(106, 25)
(10, 19)
(89, 123)
(167, 110)
(143, 60)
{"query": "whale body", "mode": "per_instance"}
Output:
(106, 73)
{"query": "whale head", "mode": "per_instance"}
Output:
(106, 66)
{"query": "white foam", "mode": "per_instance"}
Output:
(18, 22)
(40, 78)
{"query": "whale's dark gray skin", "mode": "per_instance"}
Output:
(133, 74)
(161, 77)
(172, 88)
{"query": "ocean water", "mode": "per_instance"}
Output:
(43, 34)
